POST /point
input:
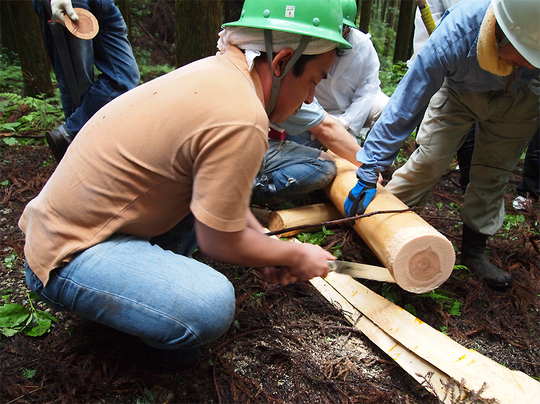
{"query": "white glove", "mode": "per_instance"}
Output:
(62, 7)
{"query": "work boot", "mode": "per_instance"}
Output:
(264, 189)
(474, 257)
(59, 140)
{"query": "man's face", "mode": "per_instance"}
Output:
(511, 56)
(296, 90)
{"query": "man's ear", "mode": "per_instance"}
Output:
(280, 61)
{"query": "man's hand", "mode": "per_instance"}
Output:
(62, 7)
(359, 198)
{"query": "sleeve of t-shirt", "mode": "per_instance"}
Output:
(226, 161)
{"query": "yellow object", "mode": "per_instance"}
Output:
(427, 18)
(487, 50)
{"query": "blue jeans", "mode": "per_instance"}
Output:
(110, 51)
(295, 168)
(127, 283)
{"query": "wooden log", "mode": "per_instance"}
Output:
(302, 215)
(418, 256)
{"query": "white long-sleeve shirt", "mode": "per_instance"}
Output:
(352, 84)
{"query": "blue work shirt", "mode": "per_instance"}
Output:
(450, 53)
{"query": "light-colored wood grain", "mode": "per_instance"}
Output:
(418, 256)
(302, 215)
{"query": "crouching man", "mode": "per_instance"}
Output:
(170, 165)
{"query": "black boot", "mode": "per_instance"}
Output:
(59, 140)
(264, 189)
(474, 257)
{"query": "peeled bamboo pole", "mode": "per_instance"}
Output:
(418, 256)
(302, 215)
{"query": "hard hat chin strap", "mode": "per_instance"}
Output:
(276, 82)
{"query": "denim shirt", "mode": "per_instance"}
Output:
(449, 54)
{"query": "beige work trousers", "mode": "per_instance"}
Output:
(505, 122)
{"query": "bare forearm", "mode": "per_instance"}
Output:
(335, 137)
(250, 247)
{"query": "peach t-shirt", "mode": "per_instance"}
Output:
(191, 140)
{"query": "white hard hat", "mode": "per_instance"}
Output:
(520, 22)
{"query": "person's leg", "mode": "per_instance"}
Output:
(464, 157)
(376, 109)
(81, 55)
(442, 132)
(530, 186)
(505, 127)
(111, 52)
(168, 300)
(292, 169)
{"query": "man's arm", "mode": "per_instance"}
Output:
(249, 247)
(336, 138)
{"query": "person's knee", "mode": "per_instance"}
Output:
(211, 314)
(219, 314)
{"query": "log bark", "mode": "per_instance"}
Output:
(418, 256)
(303, 215)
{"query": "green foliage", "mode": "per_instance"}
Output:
(512, 221)
(10, 260)
(43, 113)
(10, 72)
(29, 373)
(390, 78)
(149, 72)
(15, 317)
(446, 300)
(317, 238)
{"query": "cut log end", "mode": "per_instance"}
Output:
(424, 264)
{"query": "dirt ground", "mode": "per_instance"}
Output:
(287, 344)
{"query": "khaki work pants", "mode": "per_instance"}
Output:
(505, 122)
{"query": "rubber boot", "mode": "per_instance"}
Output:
(474, 257)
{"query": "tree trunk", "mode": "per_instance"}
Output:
(365, 14)
(405, 30)
(123, 5)
(390, 21)
(419, 257)
(196, 27)
(34, 61)
(7, 39)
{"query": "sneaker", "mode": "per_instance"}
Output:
(58, 140)
(521, 203)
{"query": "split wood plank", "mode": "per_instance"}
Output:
(467, 366)
(415, 366)
(419, 257)
(302, 215)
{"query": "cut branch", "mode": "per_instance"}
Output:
(336, 222)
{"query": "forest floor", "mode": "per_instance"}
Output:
(287, 343)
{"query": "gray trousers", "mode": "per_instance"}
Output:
(505, 125)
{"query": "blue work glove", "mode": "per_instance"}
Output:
(359, 198)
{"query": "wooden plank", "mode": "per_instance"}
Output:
(469, 367)
(415, 366)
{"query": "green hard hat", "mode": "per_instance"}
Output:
(316, 18)
(349, 9)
